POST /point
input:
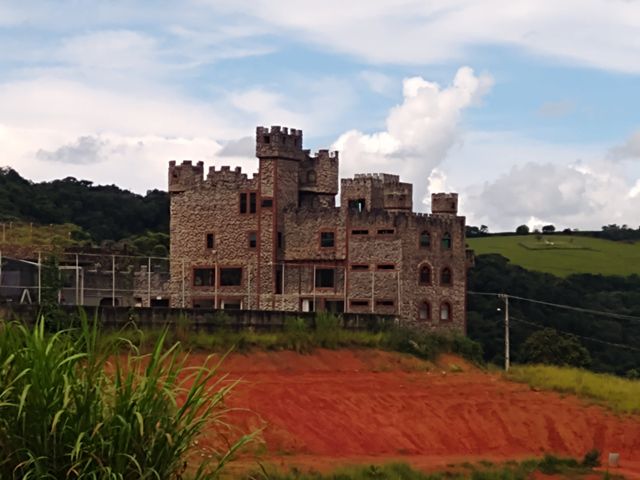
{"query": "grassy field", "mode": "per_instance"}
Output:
(563, 255)
(28, 234)
(619, 394)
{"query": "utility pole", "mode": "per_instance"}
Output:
(507, 363)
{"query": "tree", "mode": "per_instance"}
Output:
(549, 347)
(548, 229)
(522, 230)
(484, 229)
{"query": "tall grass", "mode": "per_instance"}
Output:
(619, 394)
(70, 408)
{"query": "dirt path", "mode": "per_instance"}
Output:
(338, 407)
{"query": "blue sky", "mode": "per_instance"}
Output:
(527, 108)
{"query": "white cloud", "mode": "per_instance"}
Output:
(598, 33)
(377, 82)
(630, 149)
(419, 132)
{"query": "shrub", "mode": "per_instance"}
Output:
(297, 336)
(70, 408)
(328, 330)
(591, 458)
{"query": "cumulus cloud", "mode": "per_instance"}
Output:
(628, 150)
(578, 195)
(85, 150)
(419, 132)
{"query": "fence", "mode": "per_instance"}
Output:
(85, 279)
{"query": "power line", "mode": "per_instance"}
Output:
(619, 345)
(619, 316)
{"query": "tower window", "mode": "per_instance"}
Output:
(445, 312)
(253, 239)
(424, 311)
(252, 202)
(327, 239)
(325, 277)
(211, 241)
(445, 276)
(243, 203)
(204, 277)
(425, 275)
(425, 239)
(357, 204)
(446, 241)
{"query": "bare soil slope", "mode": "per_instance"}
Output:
(369, 406)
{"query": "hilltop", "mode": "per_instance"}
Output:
(563, 255)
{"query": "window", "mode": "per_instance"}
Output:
(204, 303)
(248, 202)
(307, 305)
(425, 275)
(334, 306)
(230, 277)
(446, 241)
(231, 304)
(327, 239)
(253, 239)
(211, 241)
(359, 232)
(325, 277)
(385, 303)
(386, 266)
(357, 205)
(279, 280)
(425, 239)
(445, 312)
(359, 267)
(204, 277)
(267, 202)
(386, 231)
(266, 139)
(445, 276)
(359, 303)
(424, 311)
(311, 177)
(279, 239)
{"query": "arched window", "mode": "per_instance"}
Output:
(425, 239)
(424, 312)
(445, 312)
(425, 275)
(445, 276)
(446, 241)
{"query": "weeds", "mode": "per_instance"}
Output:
(71, 408)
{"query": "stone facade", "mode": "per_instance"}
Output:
(277, 240)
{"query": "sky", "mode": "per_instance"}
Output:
(529, 109)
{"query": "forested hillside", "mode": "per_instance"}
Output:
(105, 212)
(617, 294)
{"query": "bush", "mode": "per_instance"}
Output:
(296, 334)
(591, 458)
(70, 408)
(549, 347)
(328, 330)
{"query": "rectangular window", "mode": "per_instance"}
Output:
(325, 277)
(253, 239)
(279, 239)
(231, 304)
(359, 267)
(204, 303)
(204, 277)
(359, 303)
(386, 231)
(359, 232)
(267, 203)
(211, 241)
(327, 239)
(230, 277)
(252, 202)
(243, 203)
(279, 280)
(386, 266)
(358, 204)
(384, 303)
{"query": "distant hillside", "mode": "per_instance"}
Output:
(105, 212)
(563, 255)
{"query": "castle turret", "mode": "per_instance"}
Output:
(279, 142)
(444, 203)
(185, 176)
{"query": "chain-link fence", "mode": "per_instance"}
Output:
(85, 279)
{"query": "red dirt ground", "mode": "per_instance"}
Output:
(364, 406)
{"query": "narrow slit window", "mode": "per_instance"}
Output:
(425, 239)
(446, 241)
(386, 266)
(359, 267)
(425, 275)
(253, 240)
(445, 276)
(386, 231)
(252, 202)
(211, 241)
(359, 232)
(359, 303)
(243, 203)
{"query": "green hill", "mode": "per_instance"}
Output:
(563, 255)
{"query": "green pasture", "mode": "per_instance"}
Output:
(563, 255)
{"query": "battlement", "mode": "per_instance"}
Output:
(184, 176)
(444, 203)
(361, 178)
(225, 174)
(279, 142)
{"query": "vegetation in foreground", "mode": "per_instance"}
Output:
(619, 394)
(299, 336)
(549, 465)
(563, 255)
(70, 408)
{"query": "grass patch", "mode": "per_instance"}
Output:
(25, 234)
(563, 255)
(550, 465)
(619, 394)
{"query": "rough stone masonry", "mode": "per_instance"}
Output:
(277, 240)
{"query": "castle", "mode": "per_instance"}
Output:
(277, 240)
